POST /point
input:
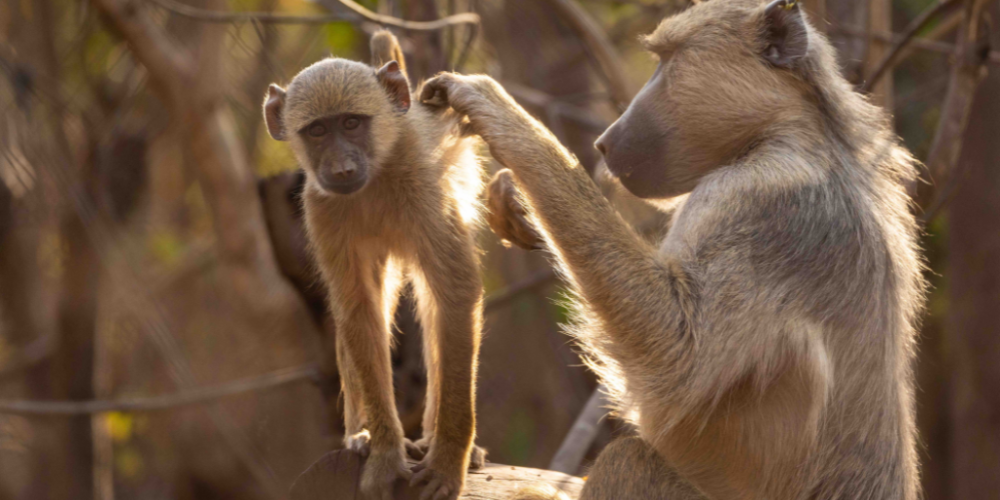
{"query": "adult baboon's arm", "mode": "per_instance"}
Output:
(637, 292)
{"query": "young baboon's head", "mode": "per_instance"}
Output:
(729, 74)
(341, 118)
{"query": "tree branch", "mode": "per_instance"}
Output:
(600, 47)
(967, 72)
(890, 60)
(168, 402)
(213, 16)
(463, 18)
(536, 98)
(925, 44)
(581, 436)
(194, 101)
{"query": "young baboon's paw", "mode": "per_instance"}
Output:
(381, 471)
(440, 482)
(507, 216)
(417, 449)
(359, 442)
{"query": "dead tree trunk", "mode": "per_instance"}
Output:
(974, 292)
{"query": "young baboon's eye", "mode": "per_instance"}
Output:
(351, 123)
(317, 130)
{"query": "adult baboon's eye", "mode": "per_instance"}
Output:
(317, 130)
(351, 123)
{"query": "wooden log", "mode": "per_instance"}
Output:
(337, 476)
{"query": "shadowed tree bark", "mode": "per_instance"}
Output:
(974, 293)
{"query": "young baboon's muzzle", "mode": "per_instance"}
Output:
(343, 177)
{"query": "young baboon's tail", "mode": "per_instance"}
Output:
(385, 48)
(540, 491)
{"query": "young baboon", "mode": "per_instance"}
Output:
(763, 349)
(391, 194)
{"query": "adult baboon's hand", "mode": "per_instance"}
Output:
(515, 138)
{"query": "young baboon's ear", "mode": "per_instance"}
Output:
(785, 35)
(274, 112)
(395, 83)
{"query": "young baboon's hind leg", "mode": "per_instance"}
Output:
(450, 294)
(426, 313)
(418, 449)
(631, 468)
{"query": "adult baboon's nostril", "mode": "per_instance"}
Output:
(601, 146)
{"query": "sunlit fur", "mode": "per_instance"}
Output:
(764, 348)
(412, 221)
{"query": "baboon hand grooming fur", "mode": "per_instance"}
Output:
(391, 195)
(763, 350)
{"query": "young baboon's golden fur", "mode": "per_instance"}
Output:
(412, 220)
(764, 349)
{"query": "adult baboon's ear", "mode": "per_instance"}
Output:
(394, 82)
(274, 112)
(785, 35)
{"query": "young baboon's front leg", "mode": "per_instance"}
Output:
(451, 287)
(428, 319)
(363, 336)
(355, 436)
(426, 311)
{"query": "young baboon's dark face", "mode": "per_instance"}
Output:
(339, 148)
(724, 79)
(342, 120)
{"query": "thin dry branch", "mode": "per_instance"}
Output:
(536, 98)
(925, 44)
(196, 107)
(891, 59)
(968, 70)
(452, 20)
(600, 47)
(581, 436)
(168, 402)
(214, 16)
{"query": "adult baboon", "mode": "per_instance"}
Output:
(763, 350)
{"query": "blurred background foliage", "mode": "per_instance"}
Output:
(118, 278)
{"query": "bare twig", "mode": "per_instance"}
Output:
(967, 72)
(581, 436)
(600, 47)
(463, 18)
(943, 196)
(537, 98)
(184, 398)
(924, 44)
(208, 133)
(918, 24)
(212, 16)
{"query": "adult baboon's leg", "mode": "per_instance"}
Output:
(631, 468)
